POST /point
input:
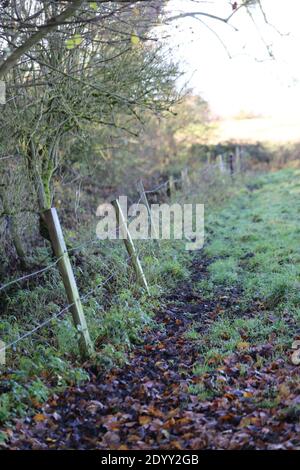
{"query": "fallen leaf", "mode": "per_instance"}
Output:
(296, 357)
(247, 395)
(39, 417)
(144, 420)
(243, 345)
(135, 39)
(284, 390)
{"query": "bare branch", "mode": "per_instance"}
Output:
(52, 24)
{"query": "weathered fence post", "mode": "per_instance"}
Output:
(221, 164)
(2, 92)
(2, 353)
(237, 159)
(51, 219)
(130, 246)
(185, 179)
(231, 165)
(171, 185)
(141, 190)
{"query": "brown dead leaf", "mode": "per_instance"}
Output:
(227, 417)
(143, 420)
(176, 445)
(169, 424)
(284, 391)
(249, 420)
(155, 412)
(39, 417)
(229, 396)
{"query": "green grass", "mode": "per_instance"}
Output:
(224, 271)
(117, 313)
(192, 333)
(263, 256)
(254, 247)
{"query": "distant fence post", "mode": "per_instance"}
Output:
(221, 163)
(185, 179)
(237, 159)
(143, 195)
(130, 246)
(171, 185)
(231, 165)
(51, 219)
(2, 353)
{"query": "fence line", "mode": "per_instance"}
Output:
(158, 188)
(91, 241)
(7, 157)
(52, 265)
(133, 256)
(96, 240)
(28, 276)
(83, 298)
(57, 315)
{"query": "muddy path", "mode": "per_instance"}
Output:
(149, 403)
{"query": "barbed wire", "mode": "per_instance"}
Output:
(154, 190)
(69, 251)
(111, 232)
(7, 157)
(112, 274)
(28, 276)
(60, 313)
(96, 239)
(178, 180)
(83, 298)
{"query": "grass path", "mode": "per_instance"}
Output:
(217, 373)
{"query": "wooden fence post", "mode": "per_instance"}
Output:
(141, 190)
(2, 353)
(238, 159)
(51, 219)
(221, 164)
(185, 179)
(231, 165)
(171, 185)
(130, 246)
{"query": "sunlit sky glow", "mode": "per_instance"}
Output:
(250, 80)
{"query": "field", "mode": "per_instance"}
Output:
(258, 129)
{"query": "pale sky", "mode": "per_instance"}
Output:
(249, 81)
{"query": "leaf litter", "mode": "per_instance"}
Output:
(251, 400)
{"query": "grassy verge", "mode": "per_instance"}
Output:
(253, 273)
(117, 312)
